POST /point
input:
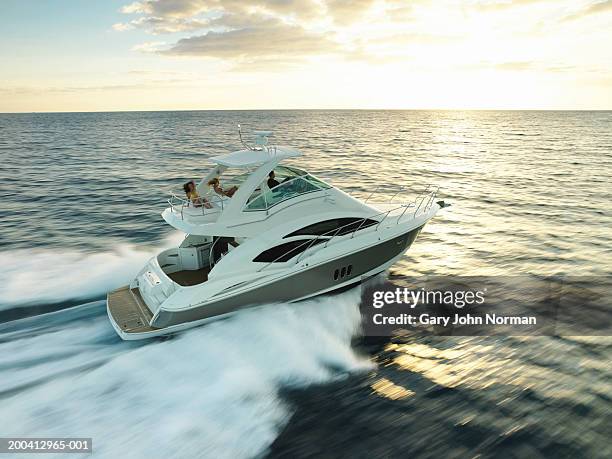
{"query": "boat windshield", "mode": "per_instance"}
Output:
(235, 177)
(291, 186)
(285, 173)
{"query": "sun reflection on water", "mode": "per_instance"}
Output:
(390, 390)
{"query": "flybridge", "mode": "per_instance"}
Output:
(260, 188)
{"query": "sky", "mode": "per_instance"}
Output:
(107, 55)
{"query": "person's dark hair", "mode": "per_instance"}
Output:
(271, 174)
(186, 187)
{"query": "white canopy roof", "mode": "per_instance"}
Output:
(246, 158)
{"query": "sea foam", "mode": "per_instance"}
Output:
(33, 276)
(212, 391)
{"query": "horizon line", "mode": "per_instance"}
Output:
(315, 109)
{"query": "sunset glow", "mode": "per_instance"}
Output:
(227, 54)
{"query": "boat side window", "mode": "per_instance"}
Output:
(228, 182)
(235, 176)
(328, 227)
(285, 252)
(288, 189)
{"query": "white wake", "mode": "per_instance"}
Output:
(31, 276)
(212, 391)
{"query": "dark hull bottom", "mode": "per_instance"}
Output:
(300, 285)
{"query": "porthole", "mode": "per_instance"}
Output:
(343, 272)
(336, 274)
(349, 270)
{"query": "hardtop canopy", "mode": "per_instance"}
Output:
(249, 158)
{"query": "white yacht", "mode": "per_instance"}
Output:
(284, 240)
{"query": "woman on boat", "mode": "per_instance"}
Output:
(194, 197)
(216, 184)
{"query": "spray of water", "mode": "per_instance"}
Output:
(212, 391)
(34, 276)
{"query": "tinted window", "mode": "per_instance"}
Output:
(327, 227)
(286, 190)
(316, 181)
(286, 251)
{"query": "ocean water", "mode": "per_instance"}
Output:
(80, 200)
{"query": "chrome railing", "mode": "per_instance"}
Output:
(178, 204)
(393, 192)
(425, 201)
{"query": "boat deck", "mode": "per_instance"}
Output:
(129, 310)
(187, 278)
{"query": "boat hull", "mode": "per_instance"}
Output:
(306, 283)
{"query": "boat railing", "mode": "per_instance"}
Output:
(421, 205)
(178, 204)
(386, 194)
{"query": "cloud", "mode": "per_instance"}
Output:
(121, 27)
(485, 5)
(262, 34)
(266, 38)
(42, 90)
(526, 66)
(277, 30)
(166, 16)
(237, 30)
(593, 8)
(150, 47)
(516, 66)
(167, 8)
(272, 64)
(161, 25)
(156, 72)
(347, 11)
(170, 16)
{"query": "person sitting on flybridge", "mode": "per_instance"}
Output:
(216, 184)
(194, 197)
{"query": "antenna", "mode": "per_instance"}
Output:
(244, 144)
